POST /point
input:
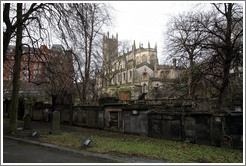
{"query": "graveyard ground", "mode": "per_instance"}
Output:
(126, 145)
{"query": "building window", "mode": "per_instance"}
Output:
(124, 76)
(144, 75)
(130, 74)
(144, 58)
(152, 60)
(25, 58)
(35, 66)
(24, 65)
(164, 74)
(119, 78)
(31, 55)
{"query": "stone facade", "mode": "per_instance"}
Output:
(134, 73)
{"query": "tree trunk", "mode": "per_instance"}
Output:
(53, 97)
(228, 56)
(224, 85)
(85, 88)
(9, 30)
(71, 106)
(190, 77)
(16, 76)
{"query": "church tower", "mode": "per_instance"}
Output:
(110, 47)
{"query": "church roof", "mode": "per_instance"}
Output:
(145, 64)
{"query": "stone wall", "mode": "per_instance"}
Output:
(89, 116)
(136, 121)
(167, 119)
(195, 127)
(39, 112)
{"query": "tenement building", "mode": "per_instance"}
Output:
(40, 69)
(135, 74)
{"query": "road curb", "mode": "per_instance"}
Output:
(84, 153)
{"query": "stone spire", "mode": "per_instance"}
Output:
(133, 46)
(133, 49)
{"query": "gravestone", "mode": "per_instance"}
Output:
(27, 122)
(55, 123)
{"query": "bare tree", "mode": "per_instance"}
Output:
(185, 40)
(215, 37)
(59, 77)
(225, 29)
(10, 23)
(81, 27)
(17, 19)
(16, 75)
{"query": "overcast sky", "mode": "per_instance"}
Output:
(145, 21)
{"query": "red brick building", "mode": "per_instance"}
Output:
(36, 67)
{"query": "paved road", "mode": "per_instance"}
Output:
(19, 152)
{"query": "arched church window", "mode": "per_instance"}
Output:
(144, 58)
(144, 75)
(163, 74)
(130, 74)
(152, 59)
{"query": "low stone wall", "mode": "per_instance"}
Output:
(195, 128)
(181, 121)
(89, 116)
(136, 123)
(40, 112)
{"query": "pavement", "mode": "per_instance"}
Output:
(16, 151)
(97, 157)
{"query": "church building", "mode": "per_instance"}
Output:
(134, 74)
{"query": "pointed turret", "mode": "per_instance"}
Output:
(133, 49)
(134, 45)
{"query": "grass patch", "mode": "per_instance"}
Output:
(151, 148)
(126, 145)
